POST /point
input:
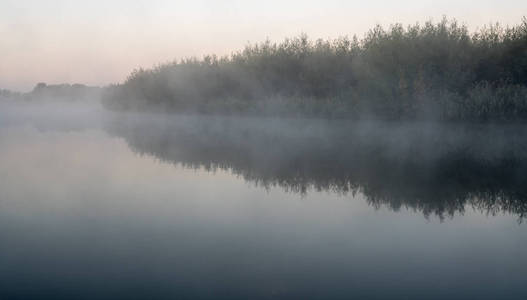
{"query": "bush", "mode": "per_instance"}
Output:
(435, 70)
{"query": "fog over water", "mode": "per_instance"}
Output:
(120, 205)
(263, 149)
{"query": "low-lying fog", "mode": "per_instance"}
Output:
(97, 204)
(425, 165)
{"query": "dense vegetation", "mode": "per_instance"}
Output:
(435, 70)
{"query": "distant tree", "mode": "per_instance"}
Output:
(40, 86)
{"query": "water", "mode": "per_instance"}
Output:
(94, 206)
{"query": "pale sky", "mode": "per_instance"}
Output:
(99, 42)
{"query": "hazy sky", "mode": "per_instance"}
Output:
(99, 42)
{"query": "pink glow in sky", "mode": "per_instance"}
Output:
(100, 42)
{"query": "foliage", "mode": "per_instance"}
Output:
(430, 71)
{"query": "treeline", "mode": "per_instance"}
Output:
(64, 92)
(431, 71)
(6, 95)
(43, 92)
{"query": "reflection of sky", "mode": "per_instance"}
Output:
(99, 42)
(83, 209)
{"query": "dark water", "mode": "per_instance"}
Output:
(98, 206)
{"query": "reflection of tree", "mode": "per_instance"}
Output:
(435, 170)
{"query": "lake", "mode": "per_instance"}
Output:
(96, 205)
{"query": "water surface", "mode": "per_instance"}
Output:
(103, 207)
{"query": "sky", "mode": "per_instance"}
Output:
(100, 42)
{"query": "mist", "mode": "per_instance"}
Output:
(434, 168)
(388, 166)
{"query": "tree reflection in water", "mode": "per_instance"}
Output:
(436, 169)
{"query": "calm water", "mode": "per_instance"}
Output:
(95, 206)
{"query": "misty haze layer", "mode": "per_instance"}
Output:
(101, 205)
(435, 168)
(388, 167)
